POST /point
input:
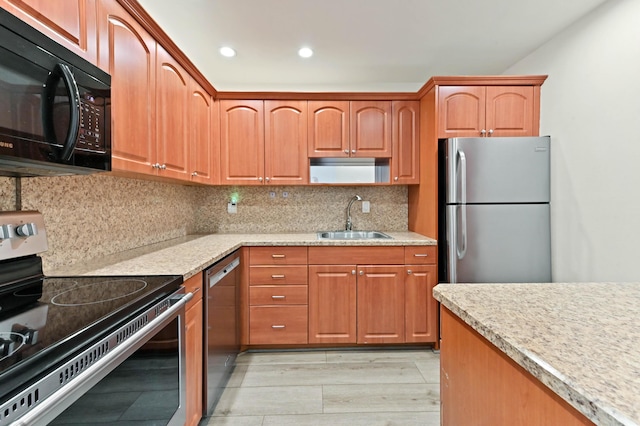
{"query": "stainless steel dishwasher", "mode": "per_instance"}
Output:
(222, 336)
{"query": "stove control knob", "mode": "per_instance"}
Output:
(6, 232)
(26, 229)
(6, 346)
(29, 335)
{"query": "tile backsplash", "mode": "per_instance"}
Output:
(88, 217)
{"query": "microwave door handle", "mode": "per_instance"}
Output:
(62, 71)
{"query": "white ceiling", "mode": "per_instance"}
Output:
(360, 45)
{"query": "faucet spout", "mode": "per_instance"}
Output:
(349, 224)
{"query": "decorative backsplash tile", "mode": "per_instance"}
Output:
(88, 217)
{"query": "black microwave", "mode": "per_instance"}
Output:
(55, 107)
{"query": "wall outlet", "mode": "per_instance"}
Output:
(285, 194)
(366, 207)
(272, 194)
(232, 208)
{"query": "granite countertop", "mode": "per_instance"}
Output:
(191, 254)
(580, 340)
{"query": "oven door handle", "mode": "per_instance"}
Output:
(50, 408)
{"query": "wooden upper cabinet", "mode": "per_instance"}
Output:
(128, 53)
(328, 128)
(71, 23)
(203, 117)
(172, 95)
(477, 111)
(405, 162)
(242, 142)
(285, 143)
(370, 129)
(461, 111)
(510, 111)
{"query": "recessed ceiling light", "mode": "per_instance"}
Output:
(305, 52)
(227, 52)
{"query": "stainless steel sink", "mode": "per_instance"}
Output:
(352, 235)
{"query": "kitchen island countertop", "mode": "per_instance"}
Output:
(580, 340)
(191, 254)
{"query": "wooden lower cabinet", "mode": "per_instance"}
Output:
(420, 312)
(332, 304)
(480, 385)
(381, 299)
(275, 325)
(194, 354)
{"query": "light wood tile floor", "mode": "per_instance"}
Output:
(350, 387)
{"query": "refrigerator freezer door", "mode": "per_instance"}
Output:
(498, 243)
(497, 170)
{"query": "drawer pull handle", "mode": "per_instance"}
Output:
(278, 256)
(421, 255)
(278, 297)
(277, 326)
(277, 276)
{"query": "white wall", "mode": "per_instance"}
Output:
(591, 108)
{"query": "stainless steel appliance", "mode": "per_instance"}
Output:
(55, 107)
(222, 337)
(494, 218)
(90, 350)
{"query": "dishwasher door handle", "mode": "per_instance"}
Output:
(218, 276)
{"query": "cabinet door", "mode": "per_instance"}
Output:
(128, 53)
(420, 306)
(461, 111)
(332, 304)
(201, 134)
(328, 128)
(285, 143)
(405, 162)
(380, 304)
(370, 129)
(71, 23)
(242, 142)
(510, 111)
(193, 370)
(172, 95)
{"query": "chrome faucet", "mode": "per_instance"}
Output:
(349, 224)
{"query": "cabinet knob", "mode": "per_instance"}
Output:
(194, 174)
(267, 179)
(490, 132)
(260, 179)
(353, 272)
(395, 178)
(353, 151)
(156, 165)
(163, 167)
(361, 272)
(483, 132)
(409, 272)
(346, 151)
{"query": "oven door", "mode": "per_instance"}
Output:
(141, 380)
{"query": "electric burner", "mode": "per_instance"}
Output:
(100, 292)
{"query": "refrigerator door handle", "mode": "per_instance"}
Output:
(462, 248)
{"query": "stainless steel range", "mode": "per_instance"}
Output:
(95, 349)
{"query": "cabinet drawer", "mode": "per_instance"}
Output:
(278, 256)
(420, 255)
(277, 275)
(278, 295)
(354, 255)
(269, 325)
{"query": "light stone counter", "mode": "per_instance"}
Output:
(191, 254)
(580, 340)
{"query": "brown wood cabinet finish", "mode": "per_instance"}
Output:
(202, 141)
(172, 97)
(285, 143)
(380, 297)
(481, 385)
(354, 255)
(328, 130)
(275, 325)
(128, 53)
(278, 255)
(405, 164)
(370, 129)
(332, 303)
(71, 23)
(278, 295)
(194, 352)
(420, 309)
(277, 274)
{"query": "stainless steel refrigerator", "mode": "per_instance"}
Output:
(494, 218)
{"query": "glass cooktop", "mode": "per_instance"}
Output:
(59, 316)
